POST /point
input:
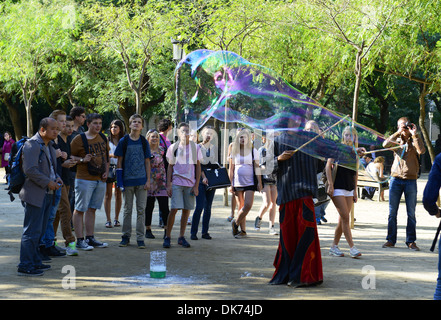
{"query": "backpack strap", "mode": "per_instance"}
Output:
(125, 143)
(103, 136)
(194, 151)
(85, 143)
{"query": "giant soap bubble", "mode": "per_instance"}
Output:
(222, 85)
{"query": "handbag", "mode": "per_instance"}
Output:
(322, 195)
(111, 177)
(217, 178)
(324, 178)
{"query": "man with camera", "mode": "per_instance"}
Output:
(404, 174)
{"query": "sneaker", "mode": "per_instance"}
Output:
(124, 241)
(354, 252)
(166, 243)
(141, 244)
(257, 223)
(30, 273)
(206, 236)
(413, 246)
(241, 235)
(388, 245)
(81, 244)
(149, 234)
(53, 252)
(183, 242)
(71, 250)
(272, 231)
(91, 241)
(194, 237)
(43, 254)
(235, 227)
(335, 252)
(43, 267)
(61, 249)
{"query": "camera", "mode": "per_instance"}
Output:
(409, 125)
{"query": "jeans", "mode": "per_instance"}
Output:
(204, 200)
(437, 295)
(34, 227)
(320, 211)
(49, 235)
(396, 188)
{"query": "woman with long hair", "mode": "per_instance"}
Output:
(116, 133)
(245, 177)
(343, 194)
(158, 183)
(204, 199)
(269, 191)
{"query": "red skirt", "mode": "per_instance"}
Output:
(298, 260)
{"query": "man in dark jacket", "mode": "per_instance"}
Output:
(40, 167)
(430, 198)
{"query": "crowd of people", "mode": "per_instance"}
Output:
(70, 172)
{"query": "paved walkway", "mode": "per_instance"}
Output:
(228, 268)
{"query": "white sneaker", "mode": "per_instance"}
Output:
(354, 252)
(81, 244)
(272, 231)
(71, 250)
(335, 251)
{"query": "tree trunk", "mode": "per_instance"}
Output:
(30, 126)
(14, 115)
(357, 84)
(138, 101)
(28, 106)
(421, 121)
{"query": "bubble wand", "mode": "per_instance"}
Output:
(386, 149)
(320, 134)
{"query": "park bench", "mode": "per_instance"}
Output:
(365, 180)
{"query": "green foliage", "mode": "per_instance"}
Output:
(114, 56)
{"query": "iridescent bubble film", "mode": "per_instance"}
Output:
(223, 86)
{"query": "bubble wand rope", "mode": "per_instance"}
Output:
(404, 146)
(319, 135)
(385, 149)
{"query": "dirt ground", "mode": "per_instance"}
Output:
(226, 268)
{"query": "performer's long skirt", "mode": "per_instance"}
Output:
(298, 259)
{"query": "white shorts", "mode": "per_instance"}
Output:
(343, 192)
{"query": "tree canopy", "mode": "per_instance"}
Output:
(375, 61)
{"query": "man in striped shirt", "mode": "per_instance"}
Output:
(298, 258)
